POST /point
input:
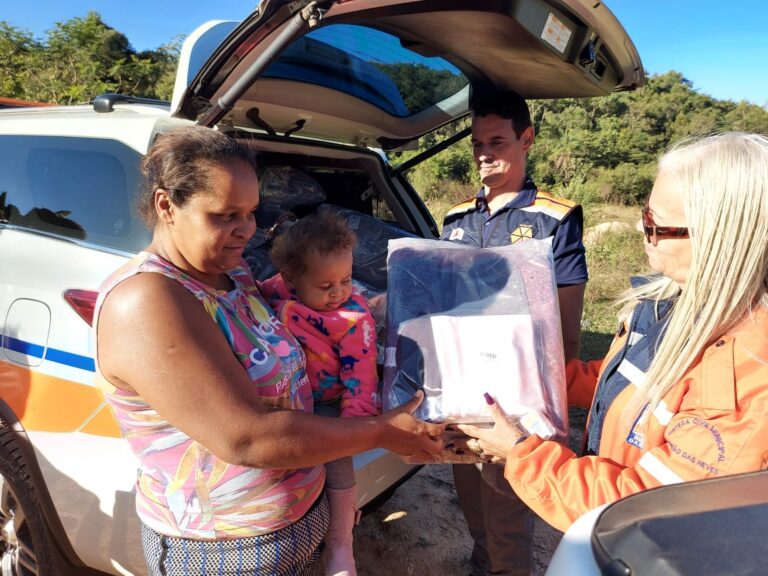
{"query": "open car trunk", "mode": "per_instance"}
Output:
(382, 73)
(317, 84)
(355, 183)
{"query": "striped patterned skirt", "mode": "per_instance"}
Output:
(292, 551)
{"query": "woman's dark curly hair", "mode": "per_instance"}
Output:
(179, 162)
(322, 232)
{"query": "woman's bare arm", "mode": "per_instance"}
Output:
(154, 337)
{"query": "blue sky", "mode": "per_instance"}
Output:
(722, 47)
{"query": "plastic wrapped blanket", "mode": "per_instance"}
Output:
(370, 254)
(281, 190)
(462, 321)
(288, 187)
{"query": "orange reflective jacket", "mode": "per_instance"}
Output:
(713, 422)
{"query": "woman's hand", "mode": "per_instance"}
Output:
(409, 437)
(493, 443)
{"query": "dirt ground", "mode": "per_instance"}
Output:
(421, 530)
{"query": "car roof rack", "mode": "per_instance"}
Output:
(106, 102)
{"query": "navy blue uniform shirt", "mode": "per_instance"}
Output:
(532, 214)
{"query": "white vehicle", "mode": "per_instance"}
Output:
(704, 528)
(318, 86)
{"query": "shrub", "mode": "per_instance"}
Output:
(627, 184)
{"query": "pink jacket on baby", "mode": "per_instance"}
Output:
(340, 346)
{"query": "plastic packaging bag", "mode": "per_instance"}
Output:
(462, 321)
(370, 254)
(282, 189)
(288, 187)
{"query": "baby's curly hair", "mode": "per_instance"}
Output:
(322, 232)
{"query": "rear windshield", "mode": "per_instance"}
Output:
(79, 188)
(371, 65)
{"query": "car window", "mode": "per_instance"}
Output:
(382, 211)
(81, 188)
(371, 65)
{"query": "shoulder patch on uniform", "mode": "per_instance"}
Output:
(561, 205)
(464, 206)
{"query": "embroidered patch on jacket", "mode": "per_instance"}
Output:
(456, 234)
(523, 232)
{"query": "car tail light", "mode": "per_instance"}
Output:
(83, 302)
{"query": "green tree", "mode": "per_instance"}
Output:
(83, 57)
(162, 75)
(17, 47)
(747, 118)
(420, 85)
(606, 148)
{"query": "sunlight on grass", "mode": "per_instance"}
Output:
(612, 258)
(453, 194)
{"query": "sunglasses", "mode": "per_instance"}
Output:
(653, 233)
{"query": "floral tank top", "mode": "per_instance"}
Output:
(183, 489)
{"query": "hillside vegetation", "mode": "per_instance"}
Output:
(596, 150)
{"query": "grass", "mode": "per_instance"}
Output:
(612, 258)
(452, 193)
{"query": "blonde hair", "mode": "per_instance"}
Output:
(723, 182)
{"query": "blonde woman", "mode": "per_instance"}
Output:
(683, 392)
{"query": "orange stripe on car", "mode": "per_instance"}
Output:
(44, 403)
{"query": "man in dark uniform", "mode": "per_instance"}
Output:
(508, 209)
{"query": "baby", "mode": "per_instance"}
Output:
(314, 298)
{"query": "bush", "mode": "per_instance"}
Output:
(627, 184)
(451, 193)
(582, 188)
